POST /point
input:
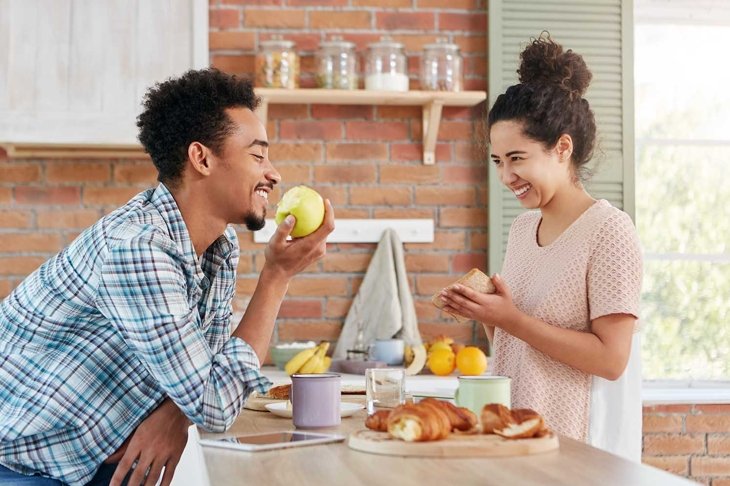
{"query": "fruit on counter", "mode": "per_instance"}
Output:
(306, 205)
(408, 354)
(309, 360)
(471, 361)
(456, 347)
(440, 345)
(418, 361)
(441, 362)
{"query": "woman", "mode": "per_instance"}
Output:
(563, 320)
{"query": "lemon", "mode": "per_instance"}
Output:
(439, 345)
(441, 362)
(471, 361)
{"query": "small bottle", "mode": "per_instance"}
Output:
(277, 64)
(441, 67)
(336, 64)
(386, 66)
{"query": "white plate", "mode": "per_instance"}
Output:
(280, 409)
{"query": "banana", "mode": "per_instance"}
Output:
(315, 362)
(326, 362)
(293, 365)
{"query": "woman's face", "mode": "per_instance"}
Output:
(525, 167)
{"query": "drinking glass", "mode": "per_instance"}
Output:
(384, 388)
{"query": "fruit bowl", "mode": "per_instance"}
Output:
(283, 352)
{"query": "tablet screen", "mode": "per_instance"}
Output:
(272, 440)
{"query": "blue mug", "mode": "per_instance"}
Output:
(388, 350)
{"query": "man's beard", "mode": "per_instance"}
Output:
(254, 222)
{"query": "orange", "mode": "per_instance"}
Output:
(441, 362)
(471, 361)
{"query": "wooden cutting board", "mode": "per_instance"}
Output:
(477, 445)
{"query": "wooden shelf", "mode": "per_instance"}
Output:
(61, 151)
(432, 103)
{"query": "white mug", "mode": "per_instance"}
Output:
(388, 350)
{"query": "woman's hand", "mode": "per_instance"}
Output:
(495, 309)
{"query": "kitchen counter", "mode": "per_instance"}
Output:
(574, 463)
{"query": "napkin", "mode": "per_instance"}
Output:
(383, 307)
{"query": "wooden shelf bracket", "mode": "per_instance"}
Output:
(431, 120)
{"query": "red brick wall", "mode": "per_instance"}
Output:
(367, 160)
(689, 440)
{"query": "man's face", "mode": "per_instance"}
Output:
(244, 176)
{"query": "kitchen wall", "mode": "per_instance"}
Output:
(368, 161)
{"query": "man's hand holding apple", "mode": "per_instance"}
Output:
(291, 256)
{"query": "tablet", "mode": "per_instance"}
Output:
(272, 440)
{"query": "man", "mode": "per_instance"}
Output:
(111, 346)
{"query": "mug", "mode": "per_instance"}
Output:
(476, 391)
(388, 350)
(315, 400)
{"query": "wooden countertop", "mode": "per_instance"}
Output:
(574, 464)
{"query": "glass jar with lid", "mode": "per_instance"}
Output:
(386, 68)
(441, 67)
(336, 64)
(277, 64)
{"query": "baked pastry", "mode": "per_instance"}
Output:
(378, 421)
(520, 423)
(474, 279)
(280, 392)
(461, 418)
(495, 416)
(418, 423)
(524, 430)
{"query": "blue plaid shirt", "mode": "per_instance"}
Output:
(96, 338)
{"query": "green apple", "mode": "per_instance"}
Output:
(306, 205)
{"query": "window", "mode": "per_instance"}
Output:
(682, 101)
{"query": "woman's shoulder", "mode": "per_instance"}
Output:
(609, 218)
(613, 227)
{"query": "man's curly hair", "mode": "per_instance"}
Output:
(189, 109)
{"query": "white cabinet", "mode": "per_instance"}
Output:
(73, 72)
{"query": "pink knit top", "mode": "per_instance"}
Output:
(591, 270)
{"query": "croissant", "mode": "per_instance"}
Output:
(461, 418)
(419, 422)
(378, 421)
(520, 423)
(524, 430)
(495, 416)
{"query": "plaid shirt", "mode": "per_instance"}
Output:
(96, 338)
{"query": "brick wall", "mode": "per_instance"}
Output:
(689, 440)
(368, 161)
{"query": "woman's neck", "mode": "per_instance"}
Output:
(566, 206)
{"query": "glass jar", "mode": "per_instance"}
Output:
(336, 65)
(441, 67)
(277, 65)
(386, 68)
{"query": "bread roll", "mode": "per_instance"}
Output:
(378, 421)
(418, 423)
(495, 416)
(476, 280)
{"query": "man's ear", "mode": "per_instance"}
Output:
(199, 157)
(564, 147)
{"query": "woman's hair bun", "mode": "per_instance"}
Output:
(544, 62)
